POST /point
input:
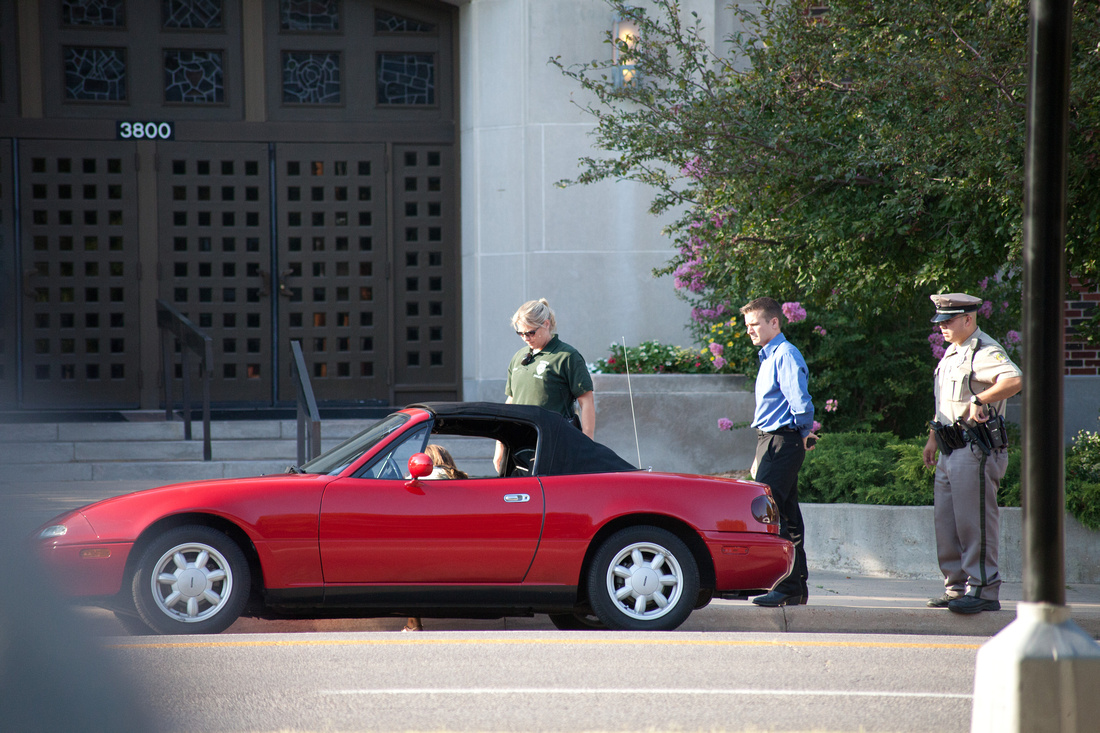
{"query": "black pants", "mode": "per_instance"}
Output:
(779, 456)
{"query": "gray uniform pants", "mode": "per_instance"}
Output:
(968, 520)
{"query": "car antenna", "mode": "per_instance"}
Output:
(638, 445)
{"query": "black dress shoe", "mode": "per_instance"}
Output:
(972, 604)
(775, 598)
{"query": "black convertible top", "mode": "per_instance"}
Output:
(562, 449)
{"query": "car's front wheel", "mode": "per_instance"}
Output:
(643, 579)
(191, 580)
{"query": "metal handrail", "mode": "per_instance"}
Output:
(191, 339)
(309, 442)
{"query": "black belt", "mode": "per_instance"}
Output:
(784, 429)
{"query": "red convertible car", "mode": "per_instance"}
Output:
(564, 527)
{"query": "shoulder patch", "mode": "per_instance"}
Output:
(999, 356)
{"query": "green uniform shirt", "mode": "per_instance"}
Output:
(554, 379)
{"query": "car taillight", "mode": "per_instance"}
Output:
(765, 510)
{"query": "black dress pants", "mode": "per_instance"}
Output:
(779, 456)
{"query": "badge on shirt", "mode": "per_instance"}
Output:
(540, 370)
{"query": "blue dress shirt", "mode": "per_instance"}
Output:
(782, 397)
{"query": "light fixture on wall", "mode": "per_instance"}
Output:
(626, 33)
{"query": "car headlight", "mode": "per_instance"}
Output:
(54, 530)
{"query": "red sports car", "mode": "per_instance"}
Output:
(564, 527)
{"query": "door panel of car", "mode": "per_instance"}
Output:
(430, 532)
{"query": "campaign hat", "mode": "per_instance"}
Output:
(949, 305)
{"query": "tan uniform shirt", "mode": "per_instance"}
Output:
(967, 370)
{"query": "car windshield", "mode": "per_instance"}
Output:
(343, 455)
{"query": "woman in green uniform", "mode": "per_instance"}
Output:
(548, 372)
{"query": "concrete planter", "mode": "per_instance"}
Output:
(677, 418)
(900, 542)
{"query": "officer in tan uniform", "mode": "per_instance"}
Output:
(973, 380)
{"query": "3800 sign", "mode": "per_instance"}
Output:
(128, 130)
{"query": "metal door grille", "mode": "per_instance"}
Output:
(215, 260)
(8, 373)
(81, 273)
(331, 201)
(425, 273)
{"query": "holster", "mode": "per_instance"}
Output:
(949, 438)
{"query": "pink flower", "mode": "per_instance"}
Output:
(724, 423)
(719, 362)
(794, 312)
(716, 348)
(819, 330)
(830, 405)
(816, 427)
(695, 168)
(986, 310)
(1013, 337)
(984, 283)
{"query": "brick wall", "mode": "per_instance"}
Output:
(1082, 358)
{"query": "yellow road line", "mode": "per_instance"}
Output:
(405, 641)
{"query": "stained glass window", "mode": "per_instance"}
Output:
(106, 13)
(386, 22)
(311, 77)
(95, 74)
(200, 14)
(309, 15)
(406, 78)
(194, 77)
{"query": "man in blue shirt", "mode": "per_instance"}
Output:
(784, 421)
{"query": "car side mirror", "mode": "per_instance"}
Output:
(420, 465)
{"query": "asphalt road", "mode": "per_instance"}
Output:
(550, 681)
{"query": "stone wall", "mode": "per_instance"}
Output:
(900, 542)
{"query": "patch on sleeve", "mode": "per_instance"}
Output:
(999, 356)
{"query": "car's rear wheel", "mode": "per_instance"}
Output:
(577, 621)
(644, 579)
(191, 580)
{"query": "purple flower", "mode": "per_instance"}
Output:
(816, 426)
(794, 312)
(984, 283)
(724, 423)
(986, 310)
(719, 362)
(716, 348)
(819, 330)
(830, 405)
(1013, 337)
(938, 352)
(935, 338)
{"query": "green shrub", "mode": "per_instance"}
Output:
(653, 357)
(1083, 479)
(878, 468)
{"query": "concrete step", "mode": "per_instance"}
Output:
(157, 451)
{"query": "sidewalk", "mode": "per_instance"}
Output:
(839, 604)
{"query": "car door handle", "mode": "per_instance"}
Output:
(517, 498)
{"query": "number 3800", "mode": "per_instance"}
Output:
(150, 130)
